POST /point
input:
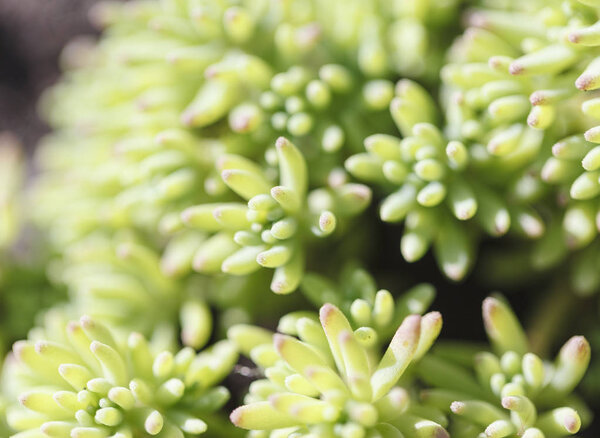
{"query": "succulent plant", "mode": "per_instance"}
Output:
(510, 391)
(77, 380)
(507, 84)
(439, 184)
(307, 105)
(272, 228)
(178, 84)
(357, 296)
(196, 142)
(120, 282)
(331, 382)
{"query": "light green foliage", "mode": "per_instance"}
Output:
(120, 282)
(180, 85)
(332, 381)
(301, 103)
(375, 312)
(439, 187)
(511, 89)
(76, 380)
(509, 392)
(273, 227)
(197, 142)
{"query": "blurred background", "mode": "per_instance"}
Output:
(32, 33)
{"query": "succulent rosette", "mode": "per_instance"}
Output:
(448, 192)
(331, 382)
(272, 228)
(77, 380)
(508, 392)
(120, 282)
(123, 283)
(515, 89)
(377, 311)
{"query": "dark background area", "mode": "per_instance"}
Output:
(32, 34)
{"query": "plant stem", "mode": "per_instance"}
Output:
(550, 317)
